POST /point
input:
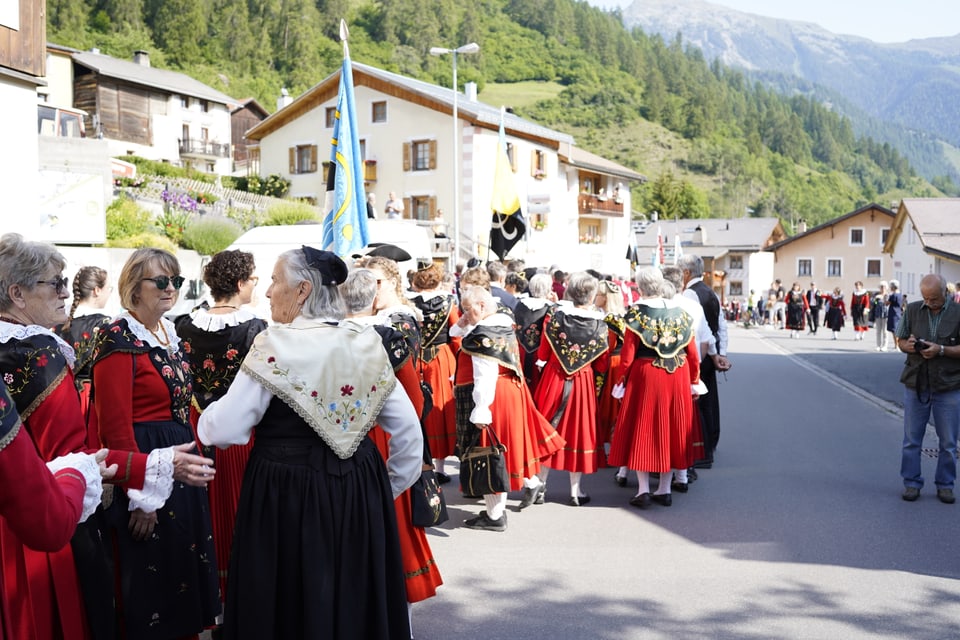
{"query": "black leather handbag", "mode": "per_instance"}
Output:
(428, 506)
(483, 470)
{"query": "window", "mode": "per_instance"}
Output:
(253, 166)
(379, 112)
(185, 132)
(211, 167)
(331, 117)
(834, 268)
(856, 237)
(736, 288)
(884, 234)
(363, 149)
(805, 267)
(303, 158)
(874, 268)
(205, 106)
(736, 262)
(420, 155)
(184, 102)
(538, 165)
(420, 207)
(205, 134)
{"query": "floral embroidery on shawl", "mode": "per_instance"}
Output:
(494, 342)
(9, 420)
(32, 368)
(665, 331)
(575, 341)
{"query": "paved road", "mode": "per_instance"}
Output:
(797, 532)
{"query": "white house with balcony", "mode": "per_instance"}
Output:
(140, 110)
(924, 238)
(576, 204)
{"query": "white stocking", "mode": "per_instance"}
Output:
(496, 504)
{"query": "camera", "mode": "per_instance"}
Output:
(919, 345)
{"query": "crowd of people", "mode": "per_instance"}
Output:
(216, 471)
(799, 310)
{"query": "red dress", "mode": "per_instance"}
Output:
(419, 566)
(527, 435)
(47, 591)
(608, 407)
(437, 366)
(575, 349)
(660, 363)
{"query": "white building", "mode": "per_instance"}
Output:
(925, 238)
(406, 138)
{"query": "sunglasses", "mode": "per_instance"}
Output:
(163, 282)
(60, 283)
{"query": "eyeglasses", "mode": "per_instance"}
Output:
(163, 282)
(60, 283)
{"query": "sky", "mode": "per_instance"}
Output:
(877, 20)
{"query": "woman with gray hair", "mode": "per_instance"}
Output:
(316, 521)
(573, 352)
(529, 314)
(659, 368)
(37, 367)
(878, 315)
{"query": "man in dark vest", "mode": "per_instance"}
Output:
(696, 289)
(814, 300)
(928, 333)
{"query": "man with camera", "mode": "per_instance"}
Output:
(928, 333)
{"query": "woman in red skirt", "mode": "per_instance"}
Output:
(659, 367)
(491, 394)
(610, 301)
(573, 352)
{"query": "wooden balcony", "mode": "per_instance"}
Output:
(204, 149)
(592, 205)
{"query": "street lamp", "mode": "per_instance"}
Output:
(473, 47)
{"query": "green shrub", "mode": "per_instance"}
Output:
(126, 218)
(164, 169)
(247, 218)
(290, 213)
(275, 186)
(208, 236)
(173, 222)
(145, 239)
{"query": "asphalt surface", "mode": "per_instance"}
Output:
(798, 531)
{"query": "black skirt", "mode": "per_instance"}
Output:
(315, 548)
(168, 584)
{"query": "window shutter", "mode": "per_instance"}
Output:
(293, 159)
(408, 211)
(433, 154)
(513, 157)
(407, 150)
(533, 163)
(313, 158)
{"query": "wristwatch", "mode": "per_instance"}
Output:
(941, 351)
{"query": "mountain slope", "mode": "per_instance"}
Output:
(915, 85)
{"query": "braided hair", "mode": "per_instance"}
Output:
(86, 280)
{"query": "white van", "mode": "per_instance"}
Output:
(267, 243)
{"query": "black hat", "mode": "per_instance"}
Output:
(332, 269)
(390, 251)
(423, 263)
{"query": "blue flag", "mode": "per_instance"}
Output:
(345, 225)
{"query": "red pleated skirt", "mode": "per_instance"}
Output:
(419, 566)
(654, 430)
(578, 423)
(441, 423)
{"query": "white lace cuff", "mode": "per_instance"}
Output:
(86, 465)
(157, 482)
(540, 364)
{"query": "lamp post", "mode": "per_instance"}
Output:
(472, 47)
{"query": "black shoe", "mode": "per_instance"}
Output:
(484, 523)
(692, 475)
(530, 496)
(442, 478)
(541, 493)
(620, 480)
(576, 501)
(679, 487)
(946, 496)
(643, 500)
(662, 498)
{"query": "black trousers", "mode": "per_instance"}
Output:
(709, 406)
(814, 318)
